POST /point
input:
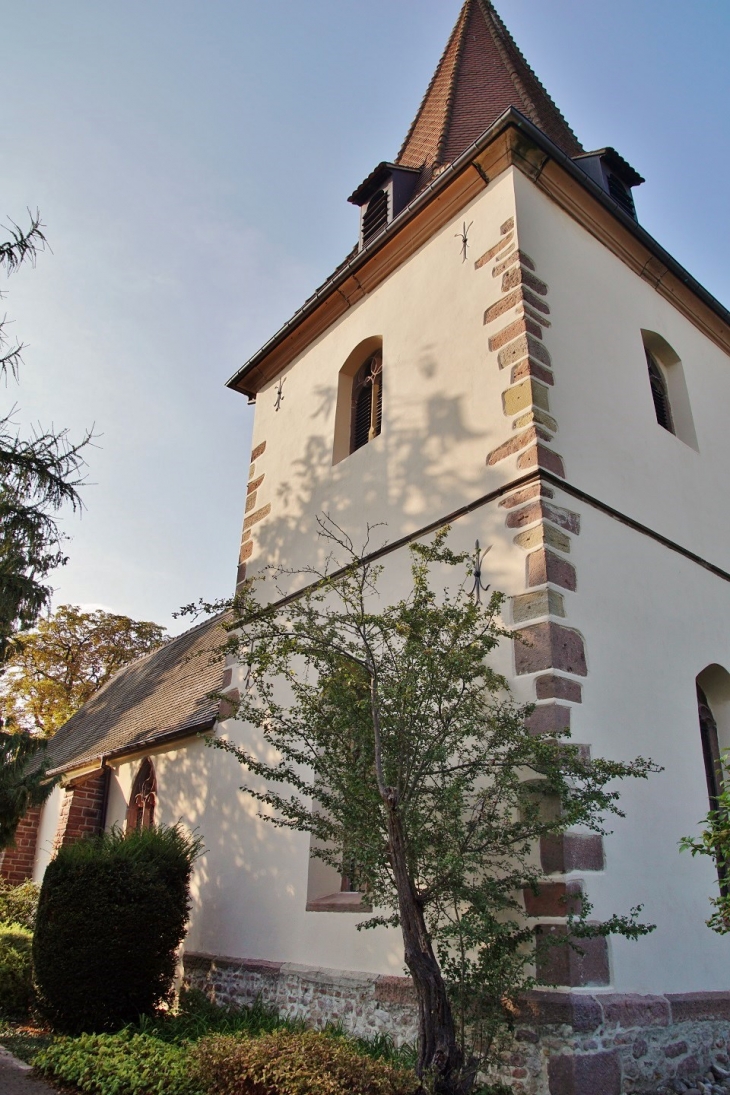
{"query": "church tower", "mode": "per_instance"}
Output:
(508, 351)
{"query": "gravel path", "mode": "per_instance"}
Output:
(15, 1078)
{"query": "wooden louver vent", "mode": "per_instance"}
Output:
(375, 217)
(367, 402)
(622, 195)
(659, 393)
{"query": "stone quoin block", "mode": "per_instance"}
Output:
(540, 457)
(258, 451)
(525, 310)
(554, 899)
(82, 808)
(559, 964)
(530, 367)
(545, 566)
(585, 1074)
(690, 1007)
(543, 602)
(228, 704)
(524, 346)
(560, 854)
(549, 646)
(507, 260)
(493, 251)
(255, 484)
(259, 515)
(522, 326)
(535, 417)
(250, 502)
(527, 394)
(545, 511)
(240, 574)
(549, 718)
(534, 301)
(543, 534)
(246, 551)
(518, 275)
(512, 300)
(514, 444)
(524, 494)
(552, 687)
(508, 226)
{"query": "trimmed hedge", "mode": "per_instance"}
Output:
(16, 971)
(119, 1064)
(112, 911)
(288, 1063)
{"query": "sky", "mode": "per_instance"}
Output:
(191, 161)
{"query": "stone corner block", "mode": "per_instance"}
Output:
(549, 645)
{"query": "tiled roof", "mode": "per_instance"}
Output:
(480, 75)
(159, 694)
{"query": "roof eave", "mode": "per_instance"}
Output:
(511, 117)
(99, 760)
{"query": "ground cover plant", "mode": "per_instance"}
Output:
(205, 1050)
(432, 792)
(112, 912)
(16, 970)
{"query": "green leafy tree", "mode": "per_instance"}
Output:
(429, 791)
(23, 780)
(38, 476)
(714, 842)
(55, 668)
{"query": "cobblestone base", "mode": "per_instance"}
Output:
(564, 1043)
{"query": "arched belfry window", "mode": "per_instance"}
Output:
(142, 801)
(668, 387)
(367, 402)
(659, 392)
(710, 748)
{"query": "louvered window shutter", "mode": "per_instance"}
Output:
(659, 393)
(361, 418)
(375, 217)
(367, 402)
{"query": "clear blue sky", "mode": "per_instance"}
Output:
(192, 161)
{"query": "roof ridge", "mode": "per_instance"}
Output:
(489, 9)
(454, 76)
(461, 21)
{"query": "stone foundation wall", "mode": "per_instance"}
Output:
(564, 1043)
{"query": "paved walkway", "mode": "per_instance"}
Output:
(15, 1078)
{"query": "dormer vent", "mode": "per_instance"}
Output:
(374, 215)
(613, 174)
(385, 192)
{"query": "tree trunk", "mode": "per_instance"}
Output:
(438, 1051)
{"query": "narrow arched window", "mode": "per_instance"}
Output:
(660, 393)
(142, 801)
(710, 748)
(367, 402)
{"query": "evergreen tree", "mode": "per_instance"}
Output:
(38, 475)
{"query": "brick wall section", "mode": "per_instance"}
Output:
(82, 808)
(18, 861)
(564, 1043)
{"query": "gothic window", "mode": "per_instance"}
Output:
(367, 402)
(713, 766)
(660, 392)
(141, 809)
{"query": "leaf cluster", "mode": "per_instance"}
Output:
(714, 842)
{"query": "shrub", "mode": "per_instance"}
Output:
(119, 1064)
(16, 970)
(198, 1016)
(112, 912)
(18, 904)
(291, 1063)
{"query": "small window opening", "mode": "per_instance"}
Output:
(375, 217)
(367, 402)
(713, 769)
(142, 801)
(659, 393)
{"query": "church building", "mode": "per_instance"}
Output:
(506, 350)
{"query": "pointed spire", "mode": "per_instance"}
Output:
(479, 76)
